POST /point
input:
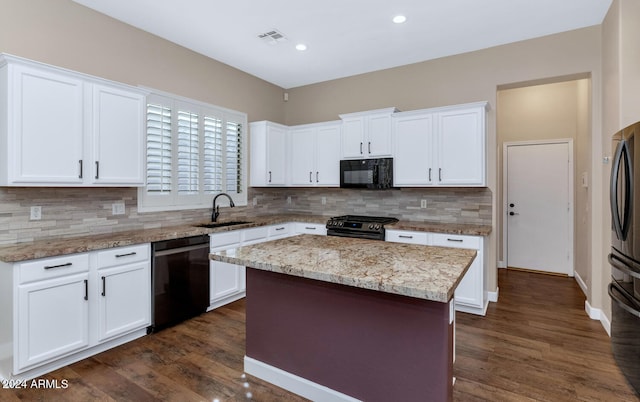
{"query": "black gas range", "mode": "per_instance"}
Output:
(364, 227)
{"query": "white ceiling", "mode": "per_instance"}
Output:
(345, 37)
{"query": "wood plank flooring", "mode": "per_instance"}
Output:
(535, 344)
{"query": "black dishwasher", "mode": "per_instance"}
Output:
(179, 280)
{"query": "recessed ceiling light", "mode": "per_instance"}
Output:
(301, 47)
(399, 19)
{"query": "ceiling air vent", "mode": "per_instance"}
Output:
(272, 37)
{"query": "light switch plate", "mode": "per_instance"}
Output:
(423, 203)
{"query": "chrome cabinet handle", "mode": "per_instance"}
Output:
(80, 163)
(97, 170)
(126, 255)
(58, 266)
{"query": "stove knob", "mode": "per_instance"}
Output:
(377, 226)
(340, 223)
(371, 226)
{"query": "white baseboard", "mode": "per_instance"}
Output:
(293, 383)
(502, 264)
(581, 283)
(493, 296)
(597, 314)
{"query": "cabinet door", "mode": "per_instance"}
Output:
(413, 140)
(46, 141)
(226, 280)
(276, 155)
(327, 171)
(53, 319)
(379, 136)
(303, 151)
(118, 136)
(353, 137)
(461, 147)
(124, 295)
(470, 291)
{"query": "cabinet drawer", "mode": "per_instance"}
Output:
(254, 234)
(279, 230)
(456, 241)
(47, 268)
(311, 228)
(219, 240)
(404, 236)
(123, 255)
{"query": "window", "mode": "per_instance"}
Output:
(194, 151)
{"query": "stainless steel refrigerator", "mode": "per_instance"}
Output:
(624, 258)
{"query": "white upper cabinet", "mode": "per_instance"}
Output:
(118, 120)
(461, 146)
(440, 147)
(268, 154)
(367, 134)
(61, 128)
(315, 154)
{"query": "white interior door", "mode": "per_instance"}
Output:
(539, 207)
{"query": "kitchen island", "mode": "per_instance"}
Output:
(334, 318)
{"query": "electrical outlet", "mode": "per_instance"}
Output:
(289, 200)
(255, 201)
(324, 200)
(423, 203)
(117, 208)
(36, 213)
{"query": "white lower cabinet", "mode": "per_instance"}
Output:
(53, 319)
(66, 308)
(311, 228)
(123, 291)
(470, 295)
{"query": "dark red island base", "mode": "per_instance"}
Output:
(365, 344)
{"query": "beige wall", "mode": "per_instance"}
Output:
(65, 34)
(620, 107)
(551, 111)
(469, 77)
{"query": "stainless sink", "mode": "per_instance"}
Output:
(221, 224)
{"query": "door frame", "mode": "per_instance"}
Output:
(505, 192)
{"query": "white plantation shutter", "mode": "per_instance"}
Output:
(213, 155)
(234, 156)
(158, 149)
(188, 153)
(194, 151)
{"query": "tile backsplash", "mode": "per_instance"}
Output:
(70, 212)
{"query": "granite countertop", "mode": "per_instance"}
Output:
(62, 246)
(424, 272)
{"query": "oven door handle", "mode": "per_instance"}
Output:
(180, 250)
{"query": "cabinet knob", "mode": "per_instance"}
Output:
(512, 205)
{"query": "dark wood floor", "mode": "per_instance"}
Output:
(536, 344)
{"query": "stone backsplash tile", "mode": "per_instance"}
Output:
(70, 212)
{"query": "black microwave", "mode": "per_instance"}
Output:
(367, 173)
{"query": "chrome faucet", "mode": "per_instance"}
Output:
(215, 210)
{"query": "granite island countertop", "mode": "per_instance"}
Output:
(90, 242)
(424, 272)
